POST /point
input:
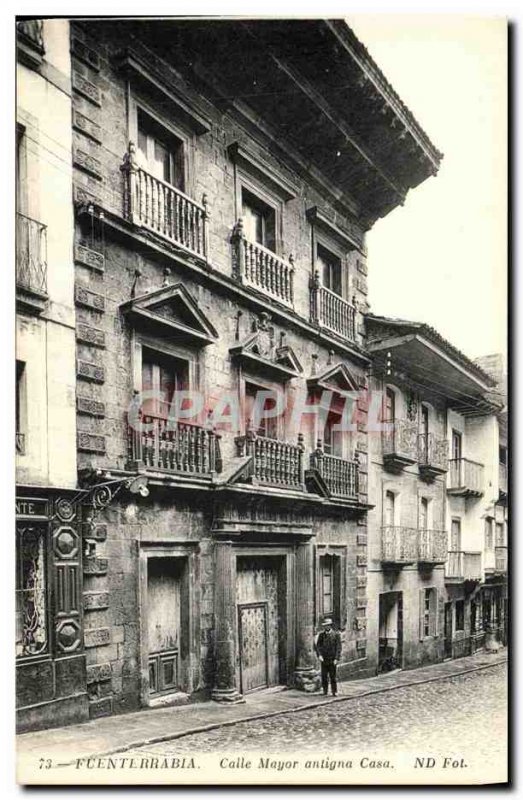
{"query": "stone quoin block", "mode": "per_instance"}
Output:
(97, 637)
(89, 335)
(101, 708)
(87, 89)
(87, 126)
(89, 258)
(94, 601)
(85, 54)
(90, 407)
(89, 371)
(97, 673)
(87, 162)
(88, 299)
(95, 566)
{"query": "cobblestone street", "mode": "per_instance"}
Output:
(465, 715)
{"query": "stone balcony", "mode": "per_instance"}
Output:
(399, 444)
(341, 476)
(274, 462)
(329, 310)
(465, 478)
(432, 455)
(259, 268)
(463, 566)
(31, 264)
(163, 209)
(174, 447)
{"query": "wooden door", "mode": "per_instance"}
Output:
(163, 623)
(253, 644)
(261, 622)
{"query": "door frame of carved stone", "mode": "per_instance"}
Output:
(190, 628)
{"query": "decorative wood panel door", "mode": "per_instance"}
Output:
(163, 623)
(253, 641)
(258, 590)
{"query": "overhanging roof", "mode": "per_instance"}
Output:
(420, 353)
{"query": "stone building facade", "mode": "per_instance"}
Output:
(221, 204)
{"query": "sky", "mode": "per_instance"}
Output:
(442, 257)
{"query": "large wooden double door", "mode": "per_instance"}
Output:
(260, 602)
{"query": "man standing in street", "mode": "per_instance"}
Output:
(328, 650)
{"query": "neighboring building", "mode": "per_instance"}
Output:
(434, 485)
(223, 186)
(50, 675)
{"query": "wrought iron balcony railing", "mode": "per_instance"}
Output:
(465, 477)
(31, 255)
(340, 476)
(432, 455)
(399, 545)
(331, 311)
(173, 446)
(256, 266)
(400, 444)
(432, 546)
(274, 462)
(164, 209)
(463, 566)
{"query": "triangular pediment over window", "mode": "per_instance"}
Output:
(260, 356)
(337, 378)
(172, 311)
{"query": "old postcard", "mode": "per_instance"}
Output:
(261, 400)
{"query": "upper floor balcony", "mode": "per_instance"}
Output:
(163, 209)
(463, 566)
(432, 547)
(258, 267)
(31, 264)
(465, 478)
(273, 462)
(399, 444)
(399, 545)
(331, 311)
(340, 475)
(162, 445)
(432, 455)
(500, 566)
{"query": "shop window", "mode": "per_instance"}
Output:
(31, 592)
(259, 220)
(428, 612)
(460, 615)
(160, 152)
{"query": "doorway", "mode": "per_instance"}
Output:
(390, 653)
(166, 624)
(261, 620)
(447, 633)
